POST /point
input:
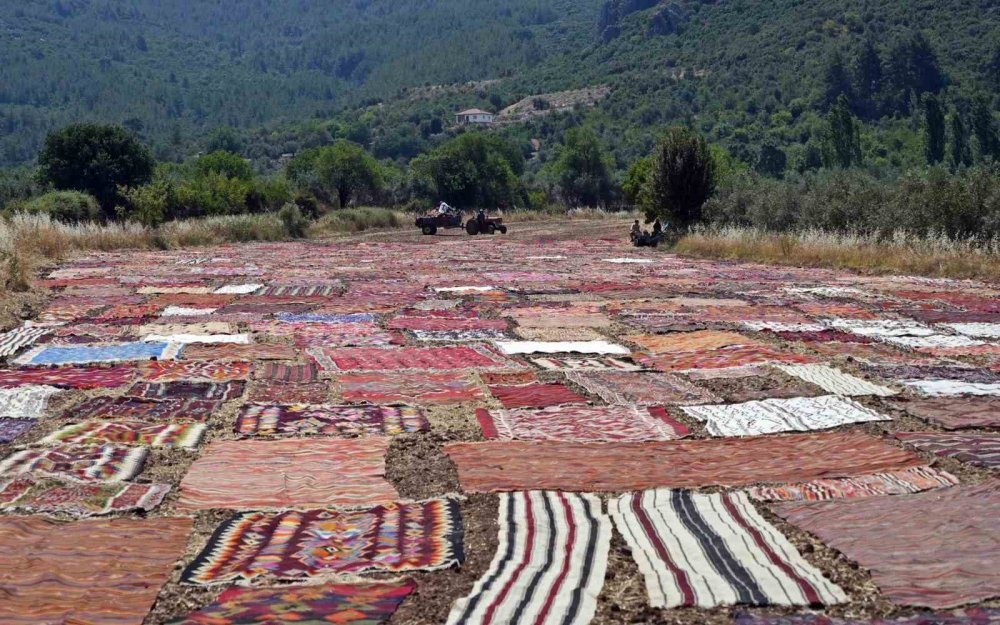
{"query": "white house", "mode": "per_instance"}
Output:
(474, 116)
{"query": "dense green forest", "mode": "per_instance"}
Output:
(174, 69)
(296, 74)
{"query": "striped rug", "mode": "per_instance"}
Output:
(708, 550)
(13, 341)
(549, 566)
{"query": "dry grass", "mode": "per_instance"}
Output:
(934, 256)
(351, 220)
(555, 213)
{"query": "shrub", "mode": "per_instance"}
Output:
(64, 206)
(294, 222)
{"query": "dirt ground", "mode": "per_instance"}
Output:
(417, 466)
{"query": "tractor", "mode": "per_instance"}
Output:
(448, 217)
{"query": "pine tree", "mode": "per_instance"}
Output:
(683, 178)
(842, 147)
(961, 153)
(984, 129)
(912, 66)
(838, 81)
(934, 130)
(867, 82)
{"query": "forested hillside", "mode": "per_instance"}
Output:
(756, 77)
(172, 69)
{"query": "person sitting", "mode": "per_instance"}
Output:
(657, 228)
(444, 208)
(636, 230)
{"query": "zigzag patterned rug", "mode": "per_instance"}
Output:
(297, 545)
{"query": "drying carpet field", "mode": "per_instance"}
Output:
(549, 427)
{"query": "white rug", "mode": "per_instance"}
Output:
(835, 381)
(770, 416)
(562, 347)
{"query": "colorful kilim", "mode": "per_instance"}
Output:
(27, 493)
(403, 358)
(954, 413)
(708, 550)
(978, 449)
(446, 324)
(28, 402)
(972, 616)
(273, 392)
(299, 545)
(902, 482)
(511, 378)
(536, 395)
(17, 339)
(144, 409)
(270, 351)
(581, 423)
(288, 473)
(933, 549)
(769, 416)
(327, 318)
(195, 370)
(325, 604)
(11, 429)
(94, 572)
(737, 356)
(420, 389)
(301, 290)
(675, 342)
(109, 463)
(183, 435)
(72, 354)
(625, 388)
(458, 336)
(549, 565)
(84, 378)
(585, 364)
(296, 374)
(342, 421)
(215, 391)
(596, 467)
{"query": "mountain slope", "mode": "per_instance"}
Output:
(178, 67)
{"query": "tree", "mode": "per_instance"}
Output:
(683, 178)
(224, 139)
(838, 81)
(472, 170)
(984, 129)
(771, 160)
(842, 145)
(912, 66)
(582, 169)
(225, 164)
(934, 130)
(867, 82)
(635, 186)
(96, 159)
(961, 152)
(344, 169)
(993, 69)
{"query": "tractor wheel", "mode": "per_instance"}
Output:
(472, 227)
(503, 229)
(429, 230)
(491, 229)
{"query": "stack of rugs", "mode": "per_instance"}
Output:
(325, 435)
